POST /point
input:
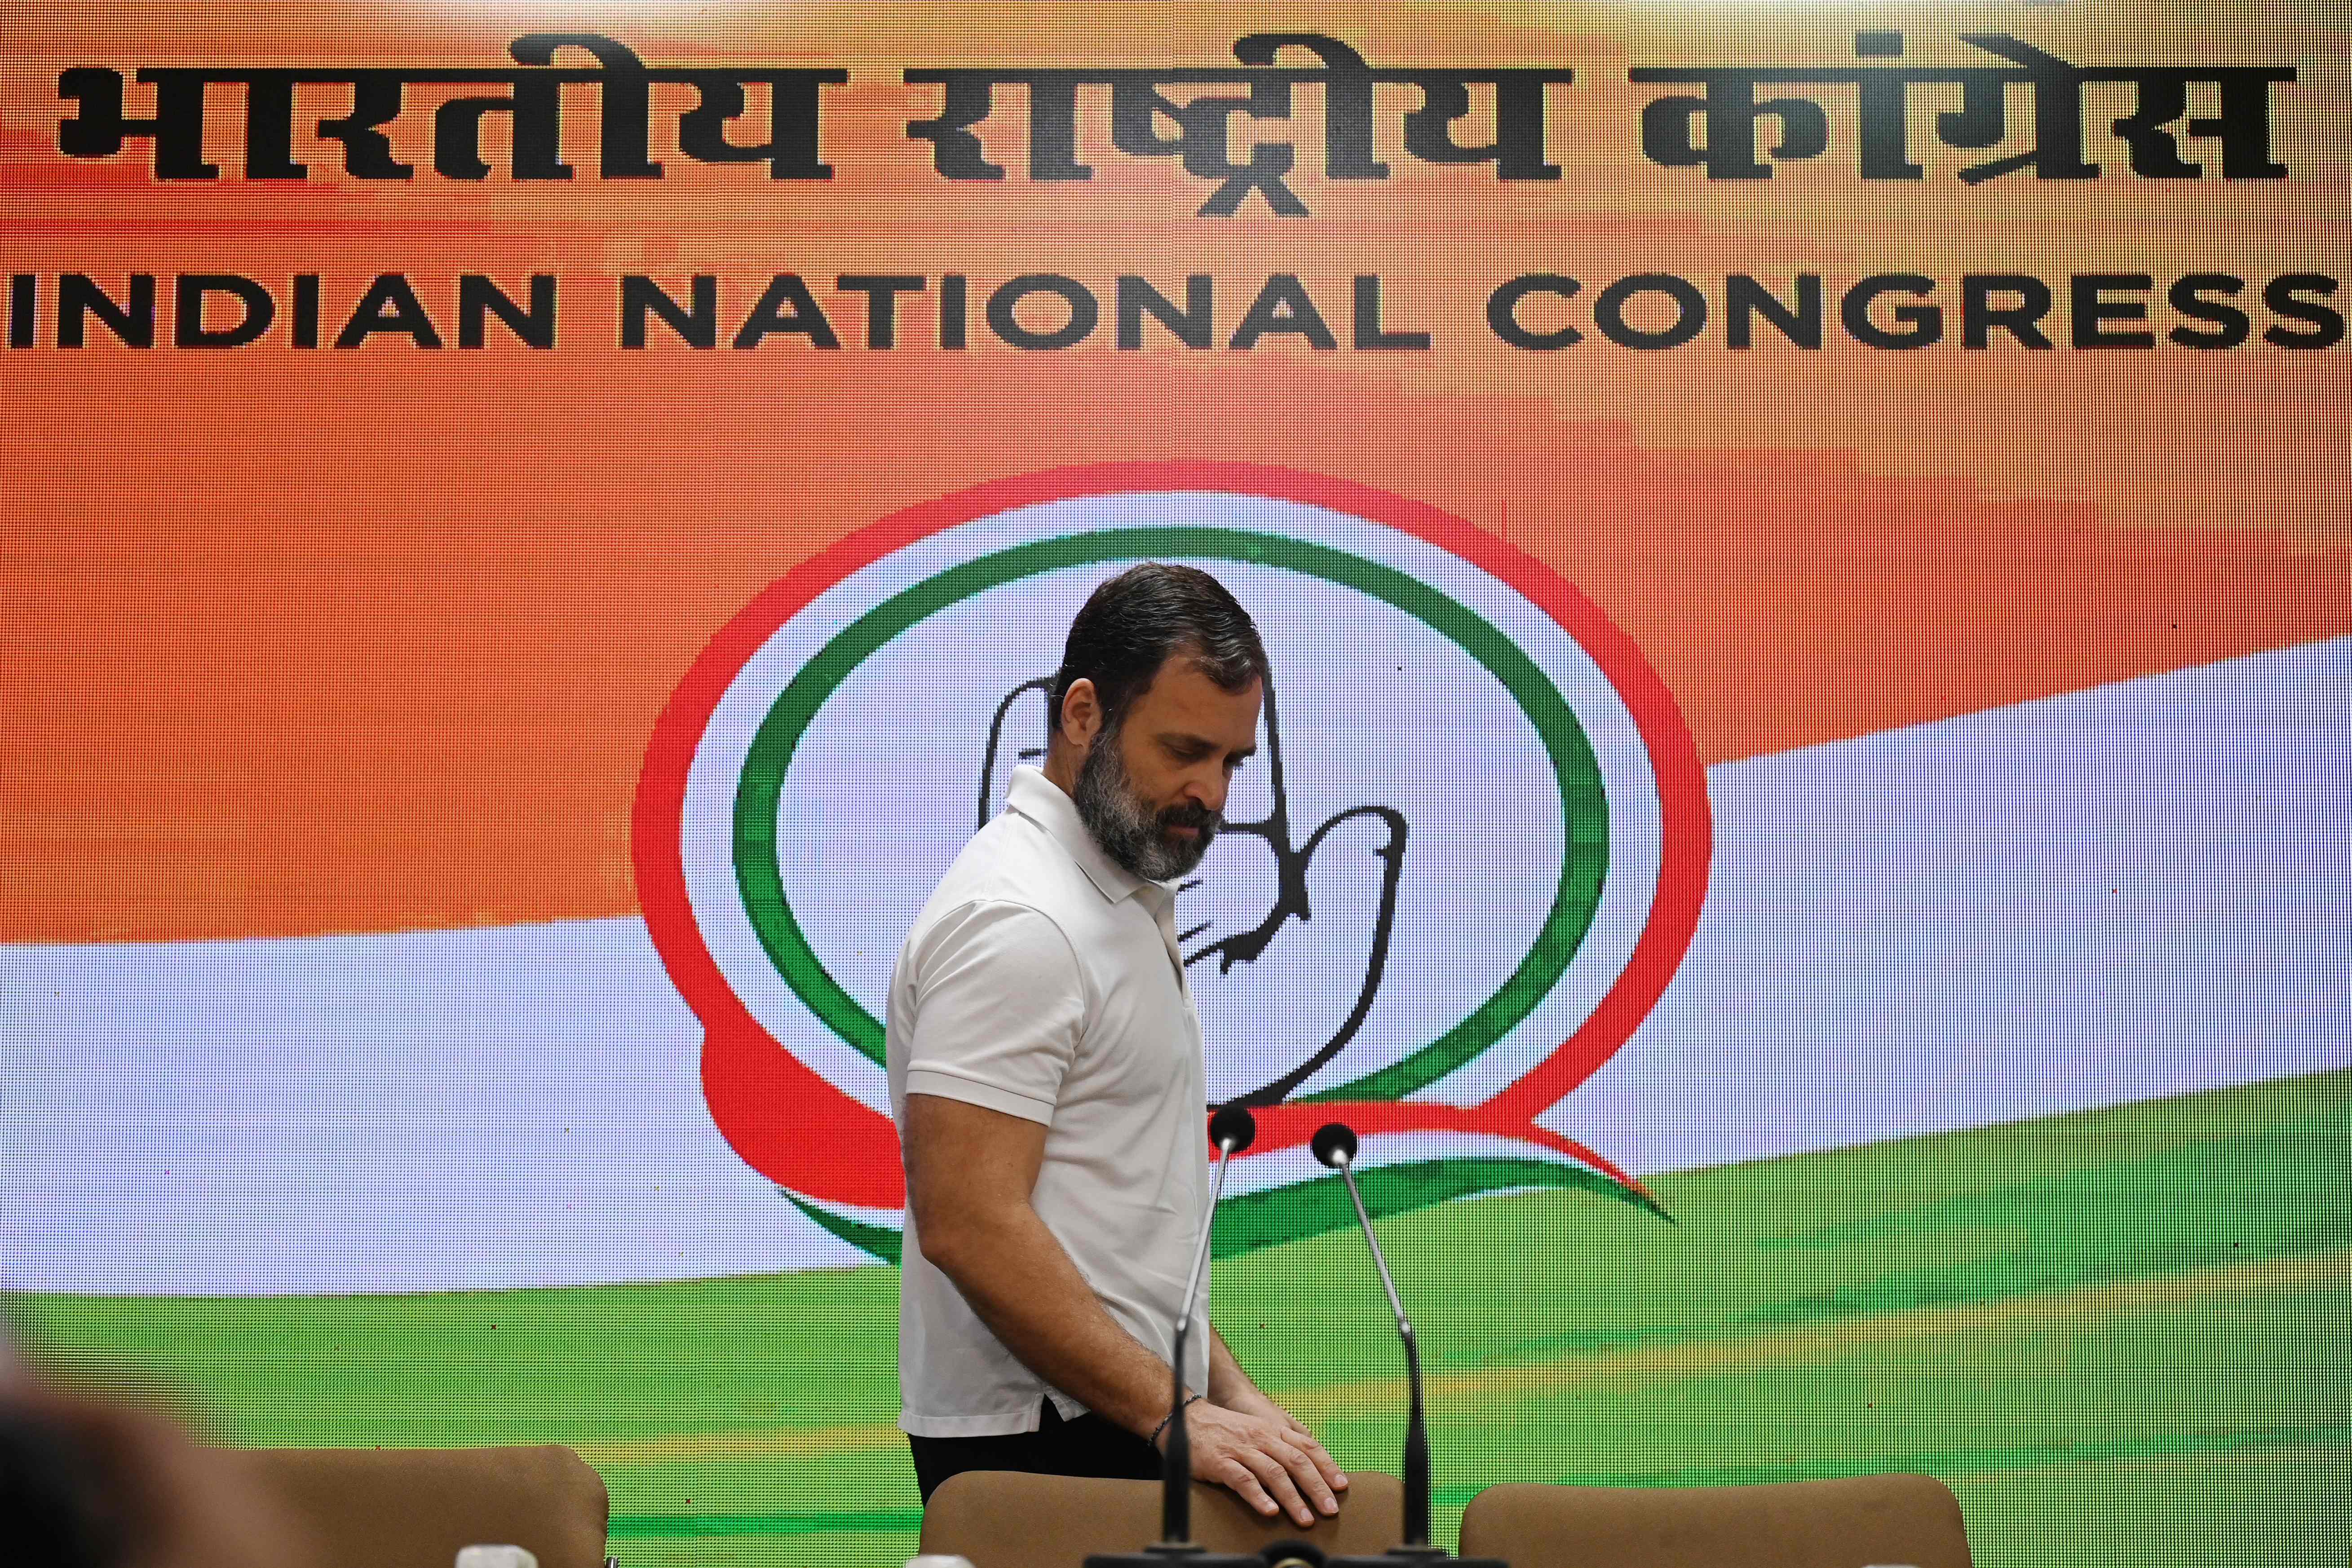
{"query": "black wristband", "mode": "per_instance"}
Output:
(1154, 1438)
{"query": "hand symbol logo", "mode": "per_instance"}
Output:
(1248, 916)
(1527, 958)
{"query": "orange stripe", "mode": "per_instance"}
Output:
(365, 640)
(281, 677)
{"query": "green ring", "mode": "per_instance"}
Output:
(1584, 805)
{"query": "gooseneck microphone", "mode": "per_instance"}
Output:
(1335, 1144)
(1231, 1130)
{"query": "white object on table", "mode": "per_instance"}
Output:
(495, 1557)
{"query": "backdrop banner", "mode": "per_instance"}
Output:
(1804, 806)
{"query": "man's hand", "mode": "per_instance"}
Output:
(1265, 1457)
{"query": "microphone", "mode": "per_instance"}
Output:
(1234, 1125)
(1334, 1145)
(1233, 1129)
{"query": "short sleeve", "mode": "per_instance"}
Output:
(999, 1007)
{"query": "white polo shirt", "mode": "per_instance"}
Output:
(1042, 979)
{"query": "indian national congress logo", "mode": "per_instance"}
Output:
(1463, 865)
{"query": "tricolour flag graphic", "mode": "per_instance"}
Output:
(1936, 926)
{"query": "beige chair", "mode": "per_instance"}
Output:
(414, 1508)
(1850, 1523)
(1001, 1518)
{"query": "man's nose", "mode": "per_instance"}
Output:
(1208, 790)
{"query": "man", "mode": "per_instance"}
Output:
(1045, 1065)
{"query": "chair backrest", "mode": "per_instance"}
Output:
(414, 1508)
(1858, 1522)
(1003, 1519)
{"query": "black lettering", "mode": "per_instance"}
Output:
(132, 322)
(306, 309)
(1084, 311)
(1283, 306)
(697, 324)
(1690, 311)
(390, 305)
(1369, 332)
(2092, 310)
(881, 291)
(954, 291)
(190, 291)
(2231, 326)
(1979, 315)
(480, 299)
(2282, 295)
(24, 306)
(768, 319)
(1503, 310)
(1922, 324)
(1138, 299)
(1744, 298)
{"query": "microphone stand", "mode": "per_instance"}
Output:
(1233, 1129)
(1334, 1145)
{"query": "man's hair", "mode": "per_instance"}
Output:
(1131, 625)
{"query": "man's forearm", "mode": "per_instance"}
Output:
(1227, 1382)
(1023, 1285)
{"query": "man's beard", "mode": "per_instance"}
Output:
(1127, 827)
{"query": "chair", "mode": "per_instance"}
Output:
(1849, 1523)
(1003, 1519)
(414, 1508)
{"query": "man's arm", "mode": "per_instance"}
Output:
(970, 1171)
(1229, 1386)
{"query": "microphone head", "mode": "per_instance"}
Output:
(1234, 1125)
(1334, 1144)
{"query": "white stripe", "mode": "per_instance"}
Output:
(1256, 1173)
(433, 1111)
(2118, 894)
(2106, 897)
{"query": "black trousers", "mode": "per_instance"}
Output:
(1088, 1446)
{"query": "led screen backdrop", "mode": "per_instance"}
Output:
(1802, 807)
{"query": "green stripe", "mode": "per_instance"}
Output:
(813, 1521)
(878, 1239)
(1952, 1461)
(1249, 1221)
(1938, 1461)
(1583, 801)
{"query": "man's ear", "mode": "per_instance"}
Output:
(1080, 719)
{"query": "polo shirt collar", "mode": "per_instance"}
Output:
(1041, 800)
